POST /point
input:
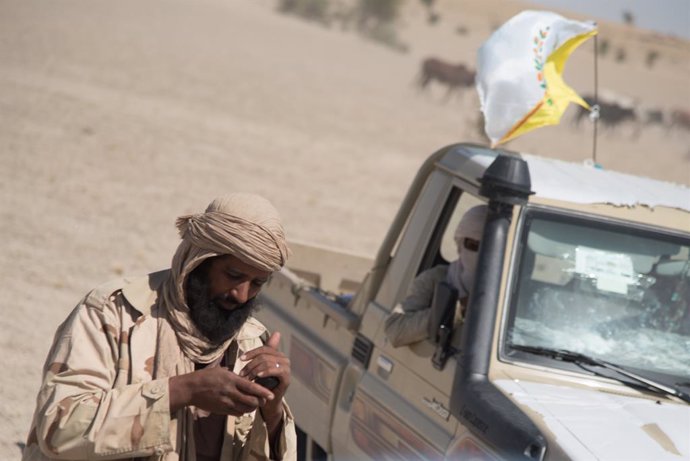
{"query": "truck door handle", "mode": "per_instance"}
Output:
(384, 366)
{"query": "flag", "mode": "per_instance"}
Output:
(520, 69)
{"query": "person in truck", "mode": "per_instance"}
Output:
(408, 322)
(170, 366)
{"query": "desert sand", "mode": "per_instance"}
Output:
(116, 117)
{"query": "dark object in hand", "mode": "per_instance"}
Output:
(269, 382)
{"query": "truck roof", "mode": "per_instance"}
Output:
(572, 182)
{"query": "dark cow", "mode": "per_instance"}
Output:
(455, 76)
(654, 117)
(611, 113)
(680, 118)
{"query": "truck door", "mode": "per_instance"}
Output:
(400, 409)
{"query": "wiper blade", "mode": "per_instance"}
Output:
(582, 359)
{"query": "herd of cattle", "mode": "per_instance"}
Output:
(613, 110)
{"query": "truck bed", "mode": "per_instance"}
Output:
(328, 269)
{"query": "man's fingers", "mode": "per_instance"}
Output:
(271, 348)
(274, 340)
(266, 365)
(255, 390)
(265, 350)
(272, 344)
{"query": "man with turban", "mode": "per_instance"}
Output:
(168, 366)
(409, 322)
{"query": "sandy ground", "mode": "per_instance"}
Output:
(117, 117)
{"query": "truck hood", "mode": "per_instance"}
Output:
(593, 424)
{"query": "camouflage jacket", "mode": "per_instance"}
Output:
(98, 399)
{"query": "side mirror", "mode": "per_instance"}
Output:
(441, 321)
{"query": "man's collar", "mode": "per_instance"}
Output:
(142, 292)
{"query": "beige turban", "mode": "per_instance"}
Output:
(246, 226)
(243, 225)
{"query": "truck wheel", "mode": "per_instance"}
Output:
(307, 449)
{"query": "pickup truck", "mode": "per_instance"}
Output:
(575, 343)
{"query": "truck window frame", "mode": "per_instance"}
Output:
(432, 256)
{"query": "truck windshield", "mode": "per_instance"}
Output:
(613, 292)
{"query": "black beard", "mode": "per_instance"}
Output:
(215, 322)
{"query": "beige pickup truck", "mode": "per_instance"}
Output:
(575, 343)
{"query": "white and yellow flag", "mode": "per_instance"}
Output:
(519, 73)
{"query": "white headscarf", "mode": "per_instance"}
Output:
(461, 271)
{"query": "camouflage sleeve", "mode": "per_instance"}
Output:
(79, 415)
(409, 322)
(252, 435)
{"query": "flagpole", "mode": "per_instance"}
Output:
(595, 108)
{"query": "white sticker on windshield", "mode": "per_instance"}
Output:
(613, 272)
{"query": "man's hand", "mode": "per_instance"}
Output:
(217, 390)
(269, 361)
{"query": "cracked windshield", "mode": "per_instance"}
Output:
(605, 291)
